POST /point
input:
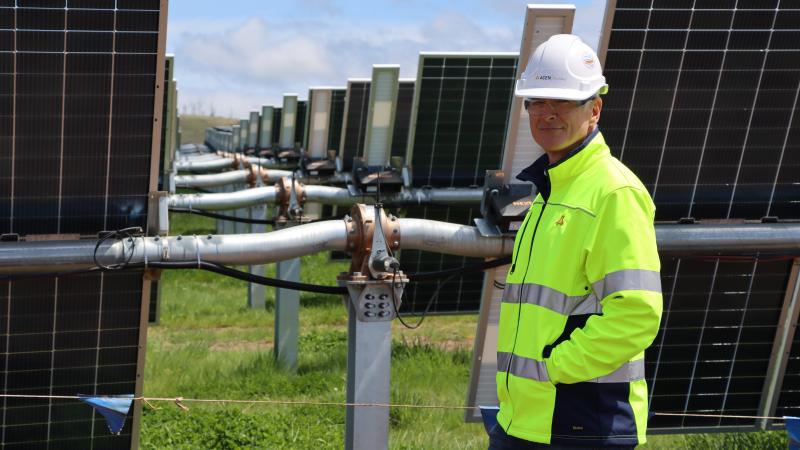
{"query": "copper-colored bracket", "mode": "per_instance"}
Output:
(284, 194)
(360, 230)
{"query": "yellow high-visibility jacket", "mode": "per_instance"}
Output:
(581, 304)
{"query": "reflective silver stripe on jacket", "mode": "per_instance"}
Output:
(627, 280)
(522, 367)
(547, 297)
(537, 370)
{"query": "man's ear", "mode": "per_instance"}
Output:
(597, 106)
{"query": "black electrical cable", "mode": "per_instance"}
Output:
(202, 212)
(427, 307)
(125, 233)
(244, 276)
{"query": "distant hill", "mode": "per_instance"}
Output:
(193, 128)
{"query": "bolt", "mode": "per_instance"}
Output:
(180, 237)
(383, 296)
(369, 297)
(155, 238)
(383, 305)
(383, 313)
(369, 305)
(209, 236)
(369, 314)
(395, 231)
(396, 243)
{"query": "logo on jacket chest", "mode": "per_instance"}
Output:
(560, 221)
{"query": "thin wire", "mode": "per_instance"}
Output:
(179, 400)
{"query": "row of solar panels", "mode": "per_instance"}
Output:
(702, 106)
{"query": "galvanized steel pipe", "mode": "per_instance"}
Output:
(452, 239)
(225, 178)
(226, 200)
(210, 165)
(417, 234)
(712, 239)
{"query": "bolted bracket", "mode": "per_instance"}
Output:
(375, 283)
(372, 299)
(361, 240)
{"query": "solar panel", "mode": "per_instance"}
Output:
(277, 113)
(458, 126)
(288, 121)
(300, 124)
(355, 121)
(337, 118)
(713, 349)
(402, 121)
(80, 88)
(354, 128)
(265, 128)
(702, 106)
(318, 122)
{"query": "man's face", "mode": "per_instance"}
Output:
(559, 125)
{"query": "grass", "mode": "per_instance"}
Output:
(210, 345)
(193, 128)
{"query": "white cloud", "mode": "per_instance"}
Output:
(254, 61)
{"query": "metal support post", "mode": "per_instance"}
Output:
(375, 286)
(255, 292)
(369, 346)
(287, 312)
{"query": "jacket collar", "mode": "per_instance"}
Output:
(542, 174)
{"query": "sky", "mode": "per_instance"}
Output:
(232, 57)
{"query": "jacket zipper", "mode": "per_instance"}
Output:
(519, 298)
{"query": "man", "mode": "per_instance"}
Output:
(583, 294)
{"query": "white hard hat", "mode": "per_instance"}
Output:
(563, 68)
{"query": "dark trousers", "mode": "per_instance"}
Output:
(499, 440)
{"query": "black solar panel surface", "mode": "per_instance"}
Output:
(460, 126)
(77, 85)
(355, 130)
(336, 119)
(702, 105)
(300, 124)
(713, 350)
(276, 125)
(402, 118)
